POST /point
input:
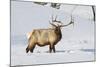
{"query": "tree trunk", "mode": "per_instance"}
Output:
(93, 9)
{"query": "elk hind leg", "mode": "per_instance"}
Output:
(31, 50)
(27, 49)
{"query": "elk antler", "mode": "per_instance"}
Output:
(55, 18)
(52, 18)
(52, 24)
(67, 24)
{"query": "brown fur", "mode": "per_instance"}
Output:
(43, 37)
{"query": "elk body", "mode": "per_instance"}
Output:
(43, 37)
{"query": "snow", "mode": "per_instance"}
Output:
(77, 44)
(42, 56)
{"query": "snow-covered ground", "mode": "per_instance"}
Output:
(69, 51)
(77, 44)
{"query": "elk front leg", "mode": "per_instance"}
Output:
(54, 49)
(50, 48)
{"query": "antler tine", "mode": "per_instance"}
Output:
(52, 17)
(55, 17)
(68, 24)
(72, 18)
(52, 24)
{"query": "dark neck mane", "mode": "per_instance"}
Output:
(59, 33)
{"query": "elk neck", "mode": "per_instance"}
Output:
(59, 33)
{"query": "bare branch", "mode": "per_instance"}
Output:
(93, 9)
(41, 3)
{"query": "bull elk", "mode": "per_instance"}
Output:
(43, 37)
